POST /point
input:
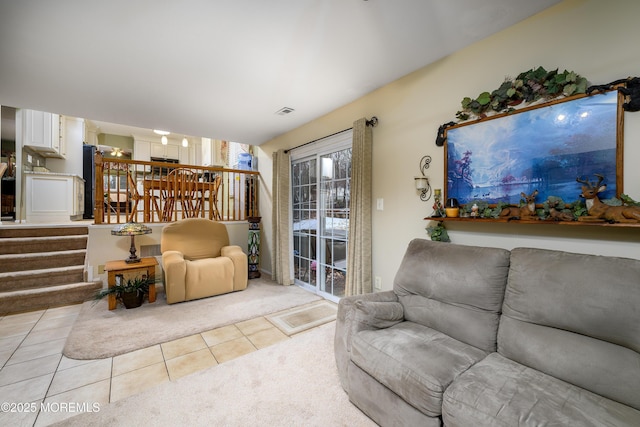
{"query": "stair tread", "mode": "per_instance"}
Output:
(43, 238)
(41, 271)
(56, 288)
(42, 254)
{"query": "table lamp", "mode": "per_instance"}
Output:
(131, 229)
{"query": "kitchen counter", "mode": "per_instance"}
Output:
(53, 174)
(53, 197)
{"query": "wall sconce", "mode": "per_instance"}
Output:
(422, 182)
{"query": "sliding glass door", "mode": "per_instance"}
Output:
(321, 195)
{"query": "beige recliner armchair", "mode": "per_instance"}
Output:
(198, 262)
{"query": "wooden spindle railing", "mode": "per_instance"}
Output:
(130, 190)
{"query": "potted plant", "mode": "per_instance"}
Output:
(130, 291)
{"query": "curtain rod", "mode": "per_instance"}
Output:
(373, 122)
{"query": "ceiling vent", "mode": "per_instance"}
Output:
(284, 111)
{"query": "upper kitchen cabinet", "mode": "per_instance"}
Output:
(41, 132)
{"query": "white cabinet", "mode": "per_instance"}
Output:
(41, 133)
(54, 197)
(168, 151)
(141, 150)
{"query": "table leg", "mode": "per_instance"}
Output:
(111, 282)
(152, 287)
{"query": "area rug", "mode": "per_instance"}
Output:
(99, 333)
(292, 383)
(300, 319)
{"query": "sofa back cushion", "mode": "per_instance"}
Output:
(195, 238)
(455, 289)
(575, 317)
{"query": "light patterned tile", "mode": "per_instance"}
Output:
(17, 329)
(182, 346)
(11, 343)
(64, 311)
(137, 381)
(137, 359)
(80, 376)
(189, 363)
(29, 369)
(4, 356)
(30, 352)
(24, 418)
(28, 390)
(89, 398)
(67, 363)
(220, 335)
(37, 337)
(252, 326)
(30, 317)
(267, 337)
(55, 323)
(232, 349)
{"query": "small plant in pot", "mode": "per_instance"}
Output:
(130, 291)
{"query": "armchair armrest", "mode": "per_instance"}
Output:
(346, 323)
(240, 266)
(175, 272)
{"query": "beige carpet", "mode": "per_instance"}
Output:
(99, 333)
(292, 383)
(300, 319)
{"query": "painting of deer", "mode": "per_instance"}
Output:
(524, 212)
(599, 211)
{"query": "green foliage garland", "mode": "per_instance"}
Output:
(528, 86)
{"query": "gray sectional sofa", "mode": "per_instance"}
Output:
(474, 336)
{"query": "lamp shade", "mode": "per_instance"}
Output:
(130, 229)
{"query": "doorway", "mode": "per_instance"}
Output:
(320, 185)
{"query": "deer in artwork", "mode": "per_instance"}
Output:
(524, 212)
(601, 211)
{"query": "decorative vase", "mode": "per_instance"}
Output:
(132, 299)
(254, 247)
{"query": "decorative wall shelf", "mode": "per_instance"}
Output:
(533, 222)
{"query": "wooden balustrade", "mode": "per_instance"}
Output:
(129, 190)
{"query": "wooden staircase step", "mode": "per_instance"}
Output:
(18, 231)
(41, 260)
(22, 245)
(43, 298)
(49, 277)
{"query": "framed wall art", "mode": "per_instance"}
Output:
(542, 148)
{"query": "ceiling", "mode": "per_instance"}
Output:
(222, 69)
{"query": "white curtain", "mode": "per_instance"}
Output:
(282, 248)
(359, 240)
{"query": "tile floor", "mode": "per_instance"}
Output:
(44, 387)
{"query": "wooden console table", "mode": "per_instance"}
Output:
(148, 265)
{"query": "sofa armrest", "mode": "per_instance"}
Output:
(175, 272)
(345, 321)
(240, 266)
(376, 315)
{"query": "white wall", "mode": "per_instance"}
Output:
(596, 39)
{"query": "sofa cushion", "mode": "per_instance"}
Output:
(501, 392)
(207, 277)
(195, 238)
(455, 289)
(415, 362)
(575, 317)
